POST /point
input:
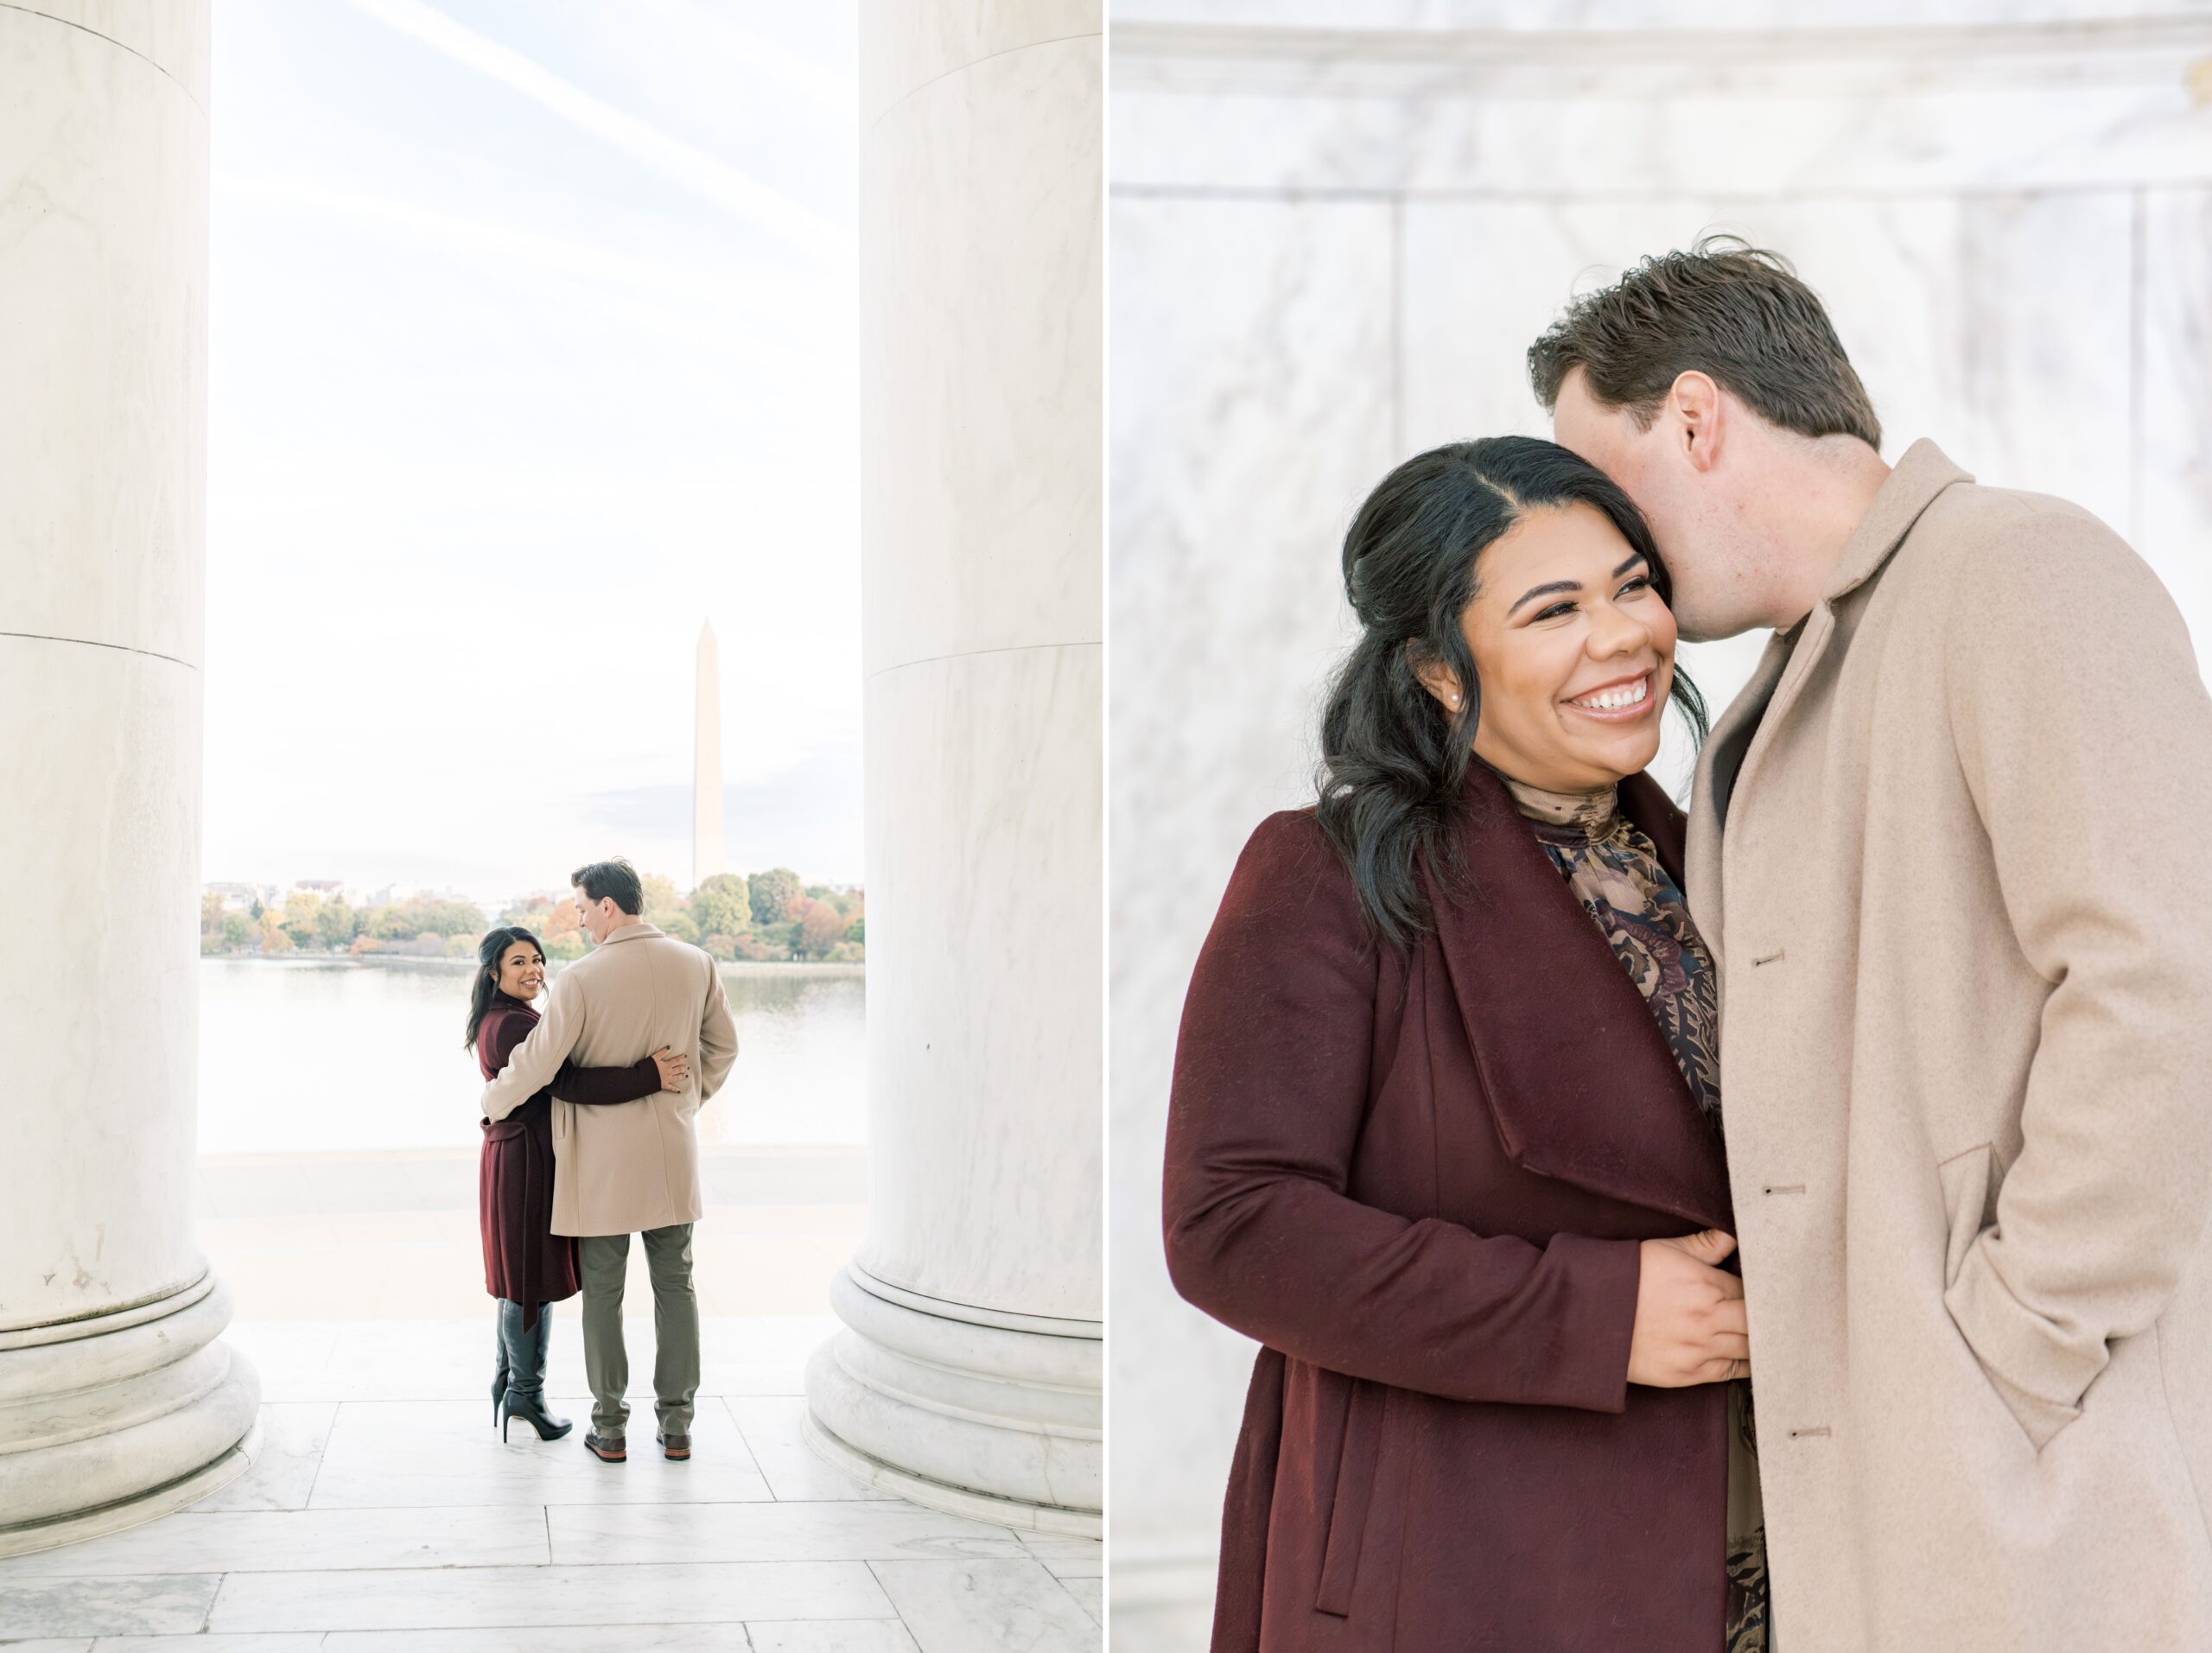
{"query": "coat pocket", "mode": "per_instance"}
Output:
(1969, 1182)
(1358, 1462)
(1970, 1186)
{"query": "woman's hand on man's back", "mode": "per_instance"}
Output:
(675, 1068)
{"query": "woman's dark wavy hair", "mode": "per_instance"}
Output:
(1392, 758)
(489, 951)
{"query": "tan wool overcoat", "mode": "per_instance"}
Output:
(634, 1166)
(1966, 1050)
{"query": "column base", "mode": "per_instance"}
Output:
(25, 1539)
(114, 1419)
(936, 1495)
(992, 1416)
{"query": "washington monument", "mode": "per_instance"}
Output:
(707, 764)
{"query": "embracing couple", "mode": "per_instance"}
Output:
(1542, 1136)
(588, 1139)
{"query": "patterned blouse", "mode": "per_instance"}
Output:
(1615, 872)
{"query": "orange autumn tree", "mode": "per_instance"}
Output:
(821, 926)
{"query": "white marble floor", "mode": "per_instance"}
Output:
(385, 1516)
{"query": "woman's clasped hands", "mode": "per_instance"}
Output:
(1690, 1325)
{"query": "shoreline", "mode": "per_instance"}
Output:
(467, 966)
(251, 1159)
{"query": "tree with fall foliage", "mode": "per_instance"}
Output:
(275, 938)
(770, 915)
(403, 921)
(770, 894)
(337, 923)
(302, 918)
(722, 906)
(821, 926)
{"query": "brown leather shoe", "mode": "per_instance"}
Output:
(676, 1446)
(606, 1449)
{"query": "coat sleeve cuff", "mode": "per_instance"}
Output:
(2039, 1378)
(1600, 1323)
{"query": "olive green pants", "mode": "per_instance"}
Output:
(605, 1260)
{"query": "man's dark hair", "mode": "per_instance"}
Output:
(617, 878)
(1725, 309)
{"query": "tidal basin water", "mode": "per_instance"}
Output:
(312, 1055)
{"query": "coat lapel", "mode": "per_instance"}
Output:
(1746, 730)
(1576, 1074)
(1718, 766)
(1921, 474)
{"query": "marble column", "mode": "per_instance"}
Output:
(116, 1400)
(969, 1375)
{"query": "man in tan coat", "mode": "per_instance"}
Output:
(1940, 847)
(632, 1168)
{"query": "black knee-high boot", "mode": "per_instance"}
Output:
(526, 1355)
(502, 1363)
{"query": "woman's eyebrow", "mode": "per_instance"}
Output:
(1535, 592)
(1560, 587)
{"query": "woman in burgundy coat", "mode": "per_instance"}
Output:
(527, 1266)
(1445, 1132)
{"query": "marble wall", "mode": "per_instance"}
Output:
(1334, 229)
(970, 1375)
(117, 1401)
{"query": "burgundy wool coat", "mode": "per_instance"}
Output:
(1421, 1182)
(524, 1262)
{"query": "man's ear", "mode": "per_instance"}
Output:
(1694, 409)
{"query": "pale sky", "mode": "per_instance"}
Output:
(531, 348)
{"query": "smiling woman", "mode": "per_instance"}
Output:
(1448, 566)
(1527, 1295)
(527, 1266)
